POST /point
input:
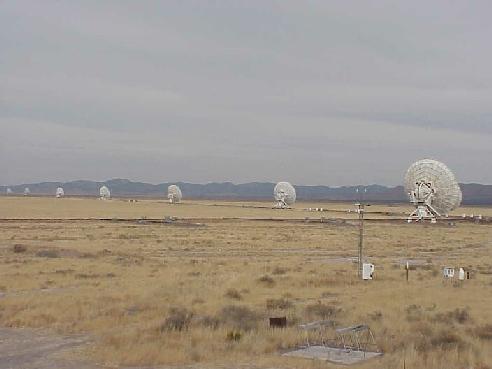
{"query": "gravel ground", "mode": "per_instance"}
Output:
(38, 349)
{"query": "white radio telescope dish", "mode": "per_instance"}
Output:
(27, 191)
(174, 194)
(433, 189)
(59, 192)
(9, 191)
(104, 193)
(284, 194)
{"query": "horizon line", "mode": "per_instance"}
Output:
(218, 182)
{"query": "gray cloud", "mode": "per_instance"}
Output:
(316, 93)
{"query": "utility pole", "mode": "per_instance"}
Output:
(360, 209)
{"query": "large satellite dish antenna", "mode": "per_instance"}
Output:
(9, 191)
(284, 194)
(433, 189)
(59, 192)
(104, 193)
(27, 191)
(174, 194)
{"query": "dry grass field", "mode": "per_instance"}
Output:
(179, 293)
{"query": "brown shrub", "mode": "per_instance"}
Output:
(327, 294)
(18, 248)
(233, 294)
(281, 304)
(427, 340)
(279, 270)
(209, 321)
(233, 336)
(266, 280)
(87, 276)
(485, 269)
(482, 366)
(197, 300)
(322, 311)
(48, 254)
(447, 340)
(460, 316)
(376, 316)
(64, 271)
(484, 332)
(178, 319)
(414, 313)
(239, 317)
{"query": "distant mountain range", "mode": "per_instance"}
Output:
(473, 194)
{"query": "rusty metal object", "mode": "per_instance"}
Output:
(278, 322)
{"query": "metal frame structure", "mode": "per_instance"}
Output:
(355, 338)
(433, 190)
(319, 328)
(422, 197)
(281, 203)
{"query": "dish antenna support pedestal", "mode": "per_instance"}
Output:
(422, 197)
(281, 200)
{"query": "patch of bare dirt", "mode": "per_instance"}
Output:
(37, 349)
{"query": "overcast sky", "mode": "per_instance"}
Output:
(312, 92)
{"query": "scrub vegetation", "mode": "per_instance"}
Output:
(184, 293)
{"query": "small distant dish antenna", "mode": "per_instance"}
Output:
(433, 189)
(174, 194)
(27, 191)
(59, 192)
(284, 194)
(104, 193)
(8, 191)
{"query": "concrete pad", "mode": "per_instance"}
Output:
(333, 354)
(38, 349)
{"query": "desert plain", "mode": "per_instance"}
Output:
(151, 284)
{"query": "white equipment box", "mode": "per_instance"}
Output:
(367, 271)
(448, 272)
